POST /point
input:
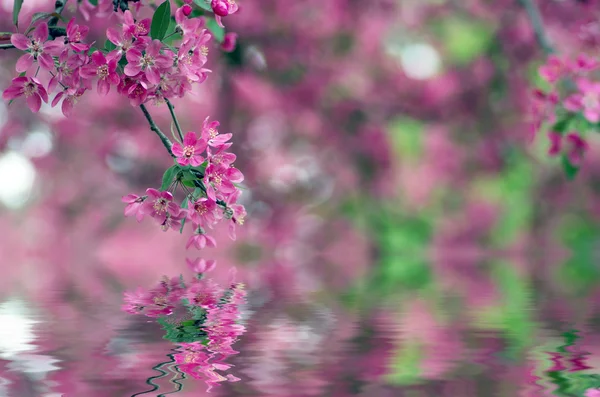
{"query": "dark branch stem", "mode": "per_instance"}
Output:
(538, 26)
(168, 144)
(59, 6)
(6, 46)
(172, 110)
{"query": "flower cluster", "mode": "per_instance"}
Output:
(209, 326)
(571, 105)
(204, 171)
(139, 67)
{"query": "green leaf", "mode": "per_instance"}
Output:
(168, 177)
(16, 10)
(203, 4)
(217, 31)
(109, 46)
(562, 125)
(93, 2)
(570, 169)
(92, 50)
(161, 21)
(38, 16)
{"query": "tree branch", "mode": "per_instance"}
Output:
(59, 6)
(6, 46)
(538, 26)
(168, 144)
(172, 110)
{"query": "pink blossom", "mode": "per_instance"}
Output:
(67, 71)
(229, 42)
(219, 155)
(203, 293)
(75, 35)
(586, 100)
(200, 241)
(219, 180)
(39, 48)
(29, 87)
(105, 70)
(135, 29)
(187, 26)
(159, 301)
(553, 70)
(190, 153)
(584, 64)
(158, 204)
(70, 97)
(173, 220)
(223, 8)
(134, 206)
(202, 211)
(151, 63)
(210, 133)
(572, 145)
(592, 393)
(200, 265)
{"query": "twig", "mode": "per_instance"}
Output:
(6, 46)
(172, 110)
(59, 6)
(168, 144)
(538, 26)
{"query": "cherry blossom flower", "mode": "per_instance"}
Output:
(553, 70)
(229, 42)
(70, 97)
(158, 204)
(586, 100)
(75, 35)
(190, 153)
(202, 212)
(200, 265)
(151, 63)
(135, 29)
(39, 48)
(571, 144)
(134, 206)
(200, 241)
(173, 220)
(219, 180)
(104, 69)
(210, 133)
(29, 87)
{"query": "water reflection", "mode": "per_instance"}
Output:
(310, 346)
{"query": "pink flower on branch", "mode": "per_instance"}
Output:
(29, 87)
(571, 144)
(200, 241)
(202, 212)
(134, 206)
(190, 153)
(586, 100)
(133, 28)
(151, 62)
(38, 47)
(75, 35)
(103, 68)
(158, 204)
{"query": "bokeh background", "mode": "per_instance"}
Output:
(407, 234)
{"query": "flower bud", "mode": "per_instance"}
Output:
(186, 9)
(229, 42)
(220, 7)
